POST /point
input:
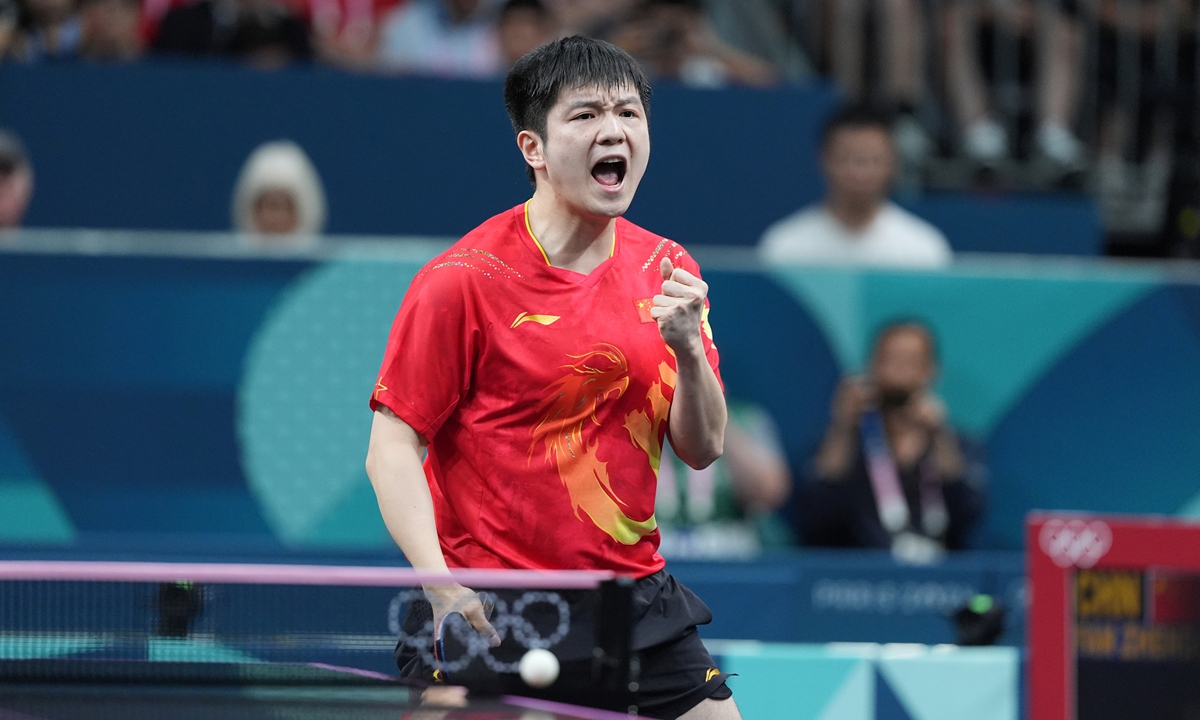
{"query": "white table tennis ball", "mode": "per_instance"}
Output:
(538, 668)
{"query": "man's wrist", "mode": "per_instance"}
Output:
(691, 351)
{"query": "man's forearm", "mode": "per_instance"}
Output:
(698, 413)
(407, 510)
(394, 467)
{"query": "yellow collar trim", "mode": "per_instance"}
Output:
(542, 250)
(529, 228)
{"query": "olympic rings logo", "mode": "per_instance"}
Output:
(503, 618)
(1075, 543)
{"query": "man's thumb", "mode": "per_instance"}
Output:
(666, 268)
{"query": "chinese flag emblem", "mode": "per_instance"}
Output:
(643, 309)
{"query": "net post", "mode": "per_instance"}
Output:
(179, 604)
(614, 666)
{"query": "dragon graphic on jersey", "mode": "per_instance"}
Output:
(644, 429)
(592, 378)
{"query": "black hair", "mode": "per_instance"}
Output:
(857, 117)
(907, 324)
(536, 81)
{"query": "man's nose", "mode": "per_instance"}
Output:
(611, 131)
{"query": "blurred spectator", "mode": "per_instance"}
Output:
(899, 56)
(264, 33)
(16, 181)
(346, 32)
(279, 194)
(1044, 39)
(452, 38)
(891, 472)
(675, 39)
(1138, 125)
(51, 31)
(111, 29)
(727, 509)
(856, 223)
(524, 25)
(9, 16)
(767, 29)
(592, 18)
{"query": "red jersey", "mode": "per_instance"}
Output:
(544, 395)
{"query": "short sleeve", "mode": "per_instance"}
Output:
(431, 351)
(686, 262)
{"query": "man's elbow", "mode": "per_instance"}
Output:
(372, 464)
(391, 442)
(704, 456)
(377, 461)
(708, 459)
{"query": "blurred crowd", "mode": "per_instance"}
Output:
(449, 38)
(1002, 94)
(1008, 74)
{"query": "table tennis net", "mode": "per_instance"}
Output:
(128, 622)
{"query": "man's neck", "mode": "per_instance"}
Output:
(571, 241)
(853, 215)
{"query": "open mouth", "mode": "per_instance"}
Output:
(609, 173)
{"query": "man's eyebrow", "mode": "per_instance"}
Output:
(597, 102)
(590, 102)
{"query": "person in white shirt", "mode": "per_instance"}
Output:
(856, 223)
(448, 38)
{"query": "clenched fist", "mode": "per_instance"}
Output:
(679, 309)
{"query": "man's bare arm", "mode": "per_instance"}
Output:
(394, 466)
(698, 413)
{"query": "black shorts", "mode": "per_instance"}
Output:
(675, 671)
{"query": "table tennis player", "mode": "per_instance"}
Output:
(539, 365)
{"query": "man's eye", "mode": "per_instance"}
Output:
(584, 116)
(628, 113)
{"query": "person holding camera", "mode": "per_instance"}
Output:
(890, 471)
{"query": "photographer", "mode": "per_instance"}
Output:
(890, 472)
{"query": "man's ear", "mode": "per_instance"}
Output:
(532, 148)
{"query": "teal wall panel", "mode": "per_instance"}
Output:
(221, 397)
(998, 328)
(866, 681)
